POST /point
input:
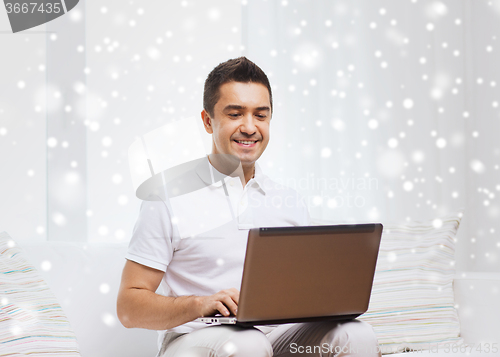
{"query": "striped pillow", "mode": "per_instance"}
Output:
(31, 320)
(412, 301)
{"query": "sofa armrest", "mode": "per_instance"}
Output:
(477, 295)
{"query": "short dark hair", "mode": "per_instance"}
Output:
(239, 69)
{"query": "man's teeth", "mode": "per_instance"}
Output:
(245, 142)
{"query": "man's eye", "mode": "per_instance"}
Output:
(234, 115)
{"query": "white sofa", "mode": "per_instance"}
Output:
(85, 278)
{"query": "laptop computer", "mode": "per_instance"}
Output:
(306, 273)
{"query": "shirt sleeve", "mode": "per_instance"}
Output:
(151, 243)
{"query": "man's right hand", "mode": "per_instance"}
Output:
(139, 306)
(224, 302)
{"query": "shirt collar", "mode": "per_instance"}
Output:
(209, 174)
(260, 178)
(212, 177)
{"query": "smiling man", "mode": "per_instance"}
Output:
(239, 122)
(192, 245)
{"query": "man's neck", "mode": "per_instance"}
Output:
(249, 173)
(228, 168)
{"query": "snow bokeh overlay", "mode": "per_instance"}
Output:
(384, 110)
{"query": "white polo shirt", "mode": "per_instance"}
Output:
(199, 238)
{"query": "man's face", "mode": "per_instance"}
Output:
(240, 125)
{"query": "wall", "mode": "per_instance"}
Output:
(384, 110)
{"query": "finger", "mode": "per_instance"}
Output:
(230, 304)
(236, 296)
(233, 293)
(219, 306)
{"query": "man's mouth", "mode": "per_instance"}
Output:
(246, 142)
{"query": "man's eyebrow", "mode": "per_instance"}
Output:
(235, 106)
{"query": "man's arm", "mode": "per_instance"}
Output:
(138, 305)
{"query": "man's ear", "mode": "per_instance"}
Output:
(207, 121)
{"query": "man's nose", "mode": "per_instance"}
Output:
(248, 126)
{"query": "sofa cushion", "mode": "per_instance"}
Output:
(85, 278)
(412, 303)
(31, 320)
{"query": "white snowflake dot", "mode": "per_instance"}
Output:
(16, 330)
(437, 223)
(107, 141)
(51, 142)
(418, 156)
(373, 124)
(103, 230)
(331, 203)
(104, 288)
(326, 152)
(317, 200)
(120, 234)
(392, 143)
(408, 186)
(441, 143)
(338, 124)
(477, 166)
(117, 179)
(46, 265)
(408, 103)
(108, 319)
(94, 126)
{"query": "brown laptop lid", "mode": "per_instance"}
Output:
(294, 274)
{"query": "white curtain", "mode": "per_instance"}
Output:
(384, 110)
